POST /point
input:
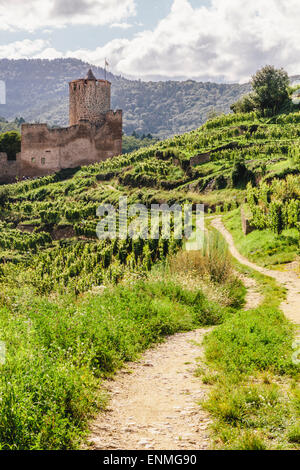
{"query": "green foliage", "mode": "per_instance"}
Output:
(57, 348)
(10, 143)
(78, 266)
(4, 193)
(294, 155)
(134, 142)
(251, 410)
(217, 259)
(257, 340)
(241, 175)
(14, 239)
(276, 205)
(270, 93)
(56, 351)
(270, 86)
(50, 217)
(245, 104)
(263, 246)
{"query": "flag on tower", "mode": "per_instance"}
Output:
(106, 64)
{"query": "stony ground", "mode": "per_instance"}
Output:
(154, 402)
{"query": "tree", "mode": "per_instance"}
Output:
(19, 121)
(10, 143)
(241, 175)
(270, 92)
(270, 87)
(245, 104)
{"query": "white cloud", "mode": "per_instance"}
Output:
(228, 40)
(121, 25)
(24, 49)
(48, 53)
(34, 14)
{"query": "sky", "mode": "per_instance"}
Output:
(217, 40)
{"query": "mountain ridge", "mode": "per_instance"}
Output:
(37, 89)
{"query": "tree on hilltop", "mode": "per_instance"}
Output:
(270, 92)
(270, 86)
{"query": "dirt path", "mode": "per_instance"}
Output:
(253, 296)
(154, 401)
(290, 280)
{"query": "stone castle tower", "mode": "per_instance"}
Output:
(89, 99)
(94, 134)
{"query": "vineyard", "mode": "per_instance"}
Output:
(48, 225)
(275, 205)
(59, 335)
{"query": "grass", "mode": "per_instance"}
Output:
(255, 395)
(263, 247)
(213, 265)
(272, 293)
(212, 260)
(249, 341)
(218, 197)
(58, 349)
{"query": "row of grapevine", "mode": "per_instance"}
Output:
(81, 265)
(12, 239)
(275, 206)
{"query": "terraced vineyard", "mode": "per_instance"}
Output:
(53, 267)
(212, 165)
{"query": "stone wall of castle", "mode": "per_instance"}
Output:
(9, 169)
(45, 150)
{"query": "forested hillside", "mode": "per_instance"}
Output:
(38, 91)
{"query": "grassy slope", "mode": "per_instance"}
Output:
(55, 340)
(255, 394)
(263, 247)
(255, 387)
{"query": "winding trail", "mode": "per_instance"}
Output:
(154, 402)
(289, 280)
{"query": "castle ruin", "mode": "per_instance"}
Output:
(94, 134)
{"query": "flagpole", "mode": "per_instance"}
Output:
(105, 69)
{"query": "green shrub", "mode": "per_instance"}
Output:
(50, 217)
(10, 143)
(241, 175)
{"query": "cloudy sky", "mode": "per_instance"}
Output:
(219, 40)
